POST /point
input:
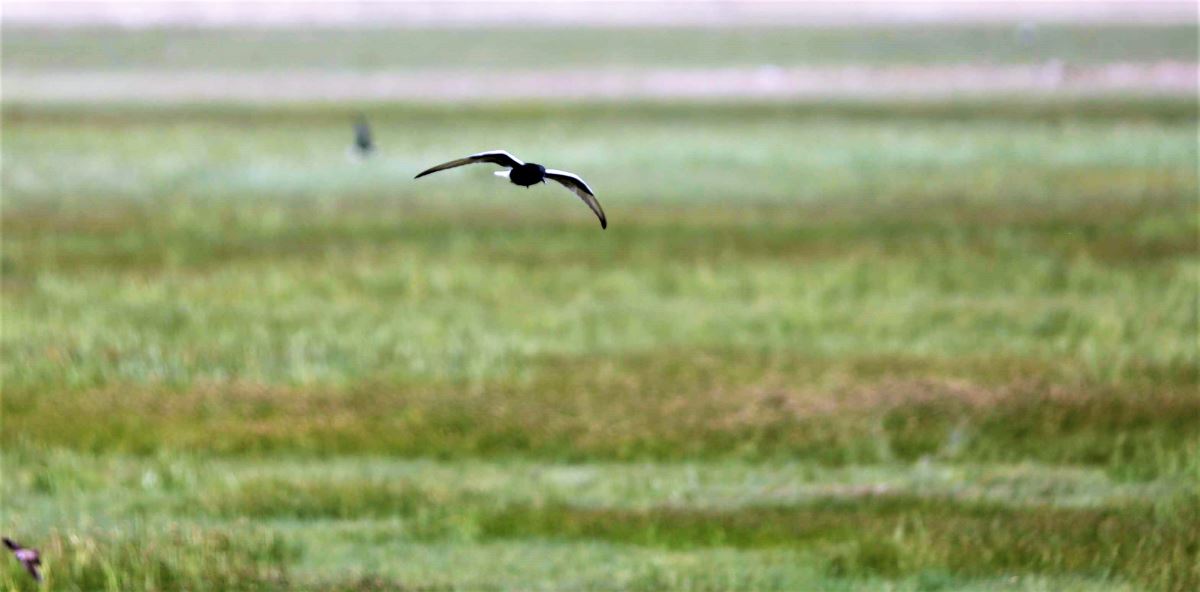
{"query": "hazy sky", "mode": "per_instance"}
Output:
(143, 13)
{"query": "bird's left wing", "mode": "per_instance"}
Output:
(578, 187)
(499, 157)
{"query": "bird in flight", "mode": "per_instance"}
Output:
(527, 174)
(364, 143)
(29, 558)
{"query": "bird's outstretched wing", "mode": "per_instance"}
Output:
(33, 566)
(578, 187)
(499, 157)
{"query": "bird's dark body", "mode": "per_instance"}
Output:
(528, 174)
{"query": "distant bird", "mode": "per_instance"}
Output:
(527, 174)
(1027, 33)
(29, 558)
(364, 143)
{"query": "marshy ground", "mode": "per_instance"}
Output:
(821, 346)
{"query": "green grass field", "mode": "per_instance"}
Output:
(370, 49)
(859, 346)
(814, 350)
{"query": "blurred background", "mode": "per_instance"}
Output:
(893, 295)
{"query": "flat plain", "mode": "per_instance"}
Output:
(820, 347)
(372, 49)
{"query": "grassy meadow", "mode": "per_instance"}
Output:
(819, 347)
(372, 49)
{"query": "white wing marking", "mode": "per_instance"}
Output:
(497, 153)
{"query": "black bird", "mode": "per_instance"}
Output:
(29, 558)
(527, 174)
(364, 143)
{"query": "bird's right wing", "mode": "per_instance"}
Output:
(499, 157)
(33, 568)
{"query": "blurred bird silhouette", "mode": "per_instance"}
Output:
(1027, 32)
(527, 174)
(364, 143)
(30, 559)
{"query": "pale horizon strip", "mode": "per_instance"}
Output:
(1054, 78)
(583, 13)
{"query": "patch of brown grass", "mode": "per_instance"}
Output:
(666, 406)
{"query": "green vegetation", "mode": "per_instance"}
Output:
(372, 49)
(820, 347)
(813, 350)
